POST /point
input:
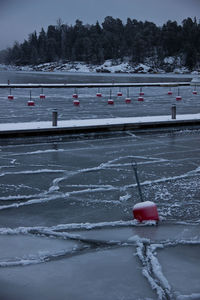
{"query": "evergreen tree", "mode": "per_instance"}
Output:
(114, 40)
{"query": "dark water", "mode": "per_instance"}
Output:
(42, 77)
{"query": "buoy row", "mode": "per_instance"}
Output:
(30, 102)
(99, 94)
(119, 94)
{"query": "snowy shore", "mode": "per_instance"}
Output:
(107, 67)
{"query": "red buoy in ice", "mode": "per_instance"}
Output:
(178, 98)
(194, 92)
(119, 94)
(42, 96)
(141, 93)
(169, 92)
(98, 94)
(31, 103)
(76, 102)
(145, 211)
(75, 96)
(110, 101)
(128, 100)
(140, 98)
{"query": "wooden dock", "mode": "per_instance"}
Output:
(85, 126)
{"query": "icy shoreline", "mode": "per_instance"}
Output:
(107, 67)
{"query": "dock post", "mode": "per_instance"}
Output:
(54, 117)
(173, 109)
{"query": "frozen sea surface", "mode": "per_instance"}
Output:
(66, 224)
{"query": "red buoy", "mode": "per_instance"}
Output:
(42, 96)
(119, 94)
(140, 98)
(128, 100)
(194, 92)
(31, 103)
(178, 98)
(10, 97)
(98, 94)
(145, 211)
(169, 92)
(141, 93)
(110, 101)
(76, 102)
(75, 96)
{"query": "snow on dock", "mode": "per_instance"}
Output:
(91, 85)
(95, 125)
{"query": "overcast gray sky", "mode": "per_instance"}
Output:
(18, 18)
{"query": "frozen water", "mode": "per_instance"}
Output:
(66, 223)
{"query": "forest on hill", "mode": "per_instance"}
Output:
(135, 41)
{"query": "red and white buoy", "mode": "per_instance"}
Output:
(10, 96)
(31, 102)
(141, 93)
(75, 95)
(119, 94)
(76, 102)
(145, 211)
(98, 94)
(140, 98)
(110, 100)
(194, 92)
(128, 100)
(42, 95)
(169, 92)
(178, 97)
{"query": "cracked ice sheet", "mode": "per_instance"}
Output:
(26, 249)
(163, 233)
(180, 265)
(96, 275)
